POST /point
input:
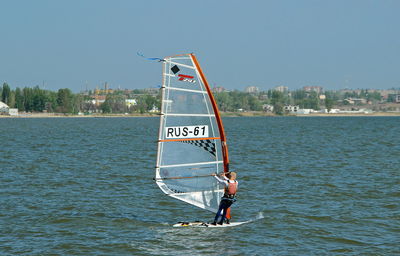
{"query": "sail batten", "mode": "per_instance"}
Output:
(170, 140)
(191, 164)
(182, 65)
(191, 142)
(208, 191)
(186, 90)
(175, 114)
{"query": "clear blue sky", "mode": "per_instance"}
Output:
(68, 44)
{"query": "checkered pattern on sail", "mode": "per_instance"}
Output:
(207, 145)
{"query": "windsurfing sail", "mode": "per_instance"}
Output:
(191, 144)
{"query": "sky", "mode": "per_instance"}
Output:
(83, 44)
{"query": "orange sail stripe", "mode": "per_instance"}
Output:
(213, 138)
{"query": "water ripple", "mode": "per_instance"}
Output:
(326, 186)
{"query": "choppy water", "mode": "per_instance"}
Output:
(326, 186)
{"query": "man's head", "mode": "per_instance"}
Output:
(232, 175)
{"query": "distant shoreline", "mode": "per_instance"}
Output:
(223, 114)
(256, 114)
(58, 115)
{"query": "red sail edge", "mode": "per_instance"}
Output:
(217, 115)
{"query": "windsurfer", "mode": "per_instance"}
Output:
(228, 199)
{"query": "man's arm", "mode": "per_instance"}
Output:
(224, 181)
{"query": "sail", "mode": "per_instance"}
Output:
(191, 143)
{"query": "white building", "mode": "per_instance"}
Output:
(252, 89)
(13, 111)
(281, 88)
(291, 108)
(6, 110)
(219, 89)
(3, 107)
(317, 89)
(268, 108)
(353, 101)
(332, 111)
(130, 102)
(154, 109)
(305, 111)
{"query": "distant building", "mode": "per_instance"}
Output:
(291, 108)
(13, 111)
(3, 108)
(3, 105)
(355, 101)
(152, 91)
(397, 99)
(130, 102)
(317, 89)
(105, 91)
(97, 100)
(332, 111)
(281, 88)
(219, 89)
(252, 89)
(305, 111)
(6, 110)
(154, 109)
(268, 108)
(385, 93)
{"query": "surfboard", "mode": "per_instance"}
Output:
(206, 224)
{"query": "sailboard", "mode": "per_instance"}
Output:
(199, 224)
(191, 142)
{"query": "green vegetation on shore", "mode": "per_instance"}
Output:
(148, 100)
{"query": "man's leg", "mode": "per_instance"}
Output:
(226, 205)
(218, 212)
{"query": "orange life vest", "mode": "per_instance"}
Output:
(230, 190)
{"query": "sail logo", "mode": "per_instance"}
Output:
(186, 78)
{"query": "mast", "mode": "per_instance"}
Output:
(217, 115)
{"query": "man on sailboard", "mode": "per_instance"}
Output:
(228, 199)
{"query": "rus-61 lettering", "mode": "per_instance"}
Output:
(179, 132)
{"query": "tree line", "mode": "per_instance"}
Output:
(39, 100)
(236, 100)
(65, 101)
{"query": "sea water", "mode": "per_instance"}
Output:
(309, 185)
